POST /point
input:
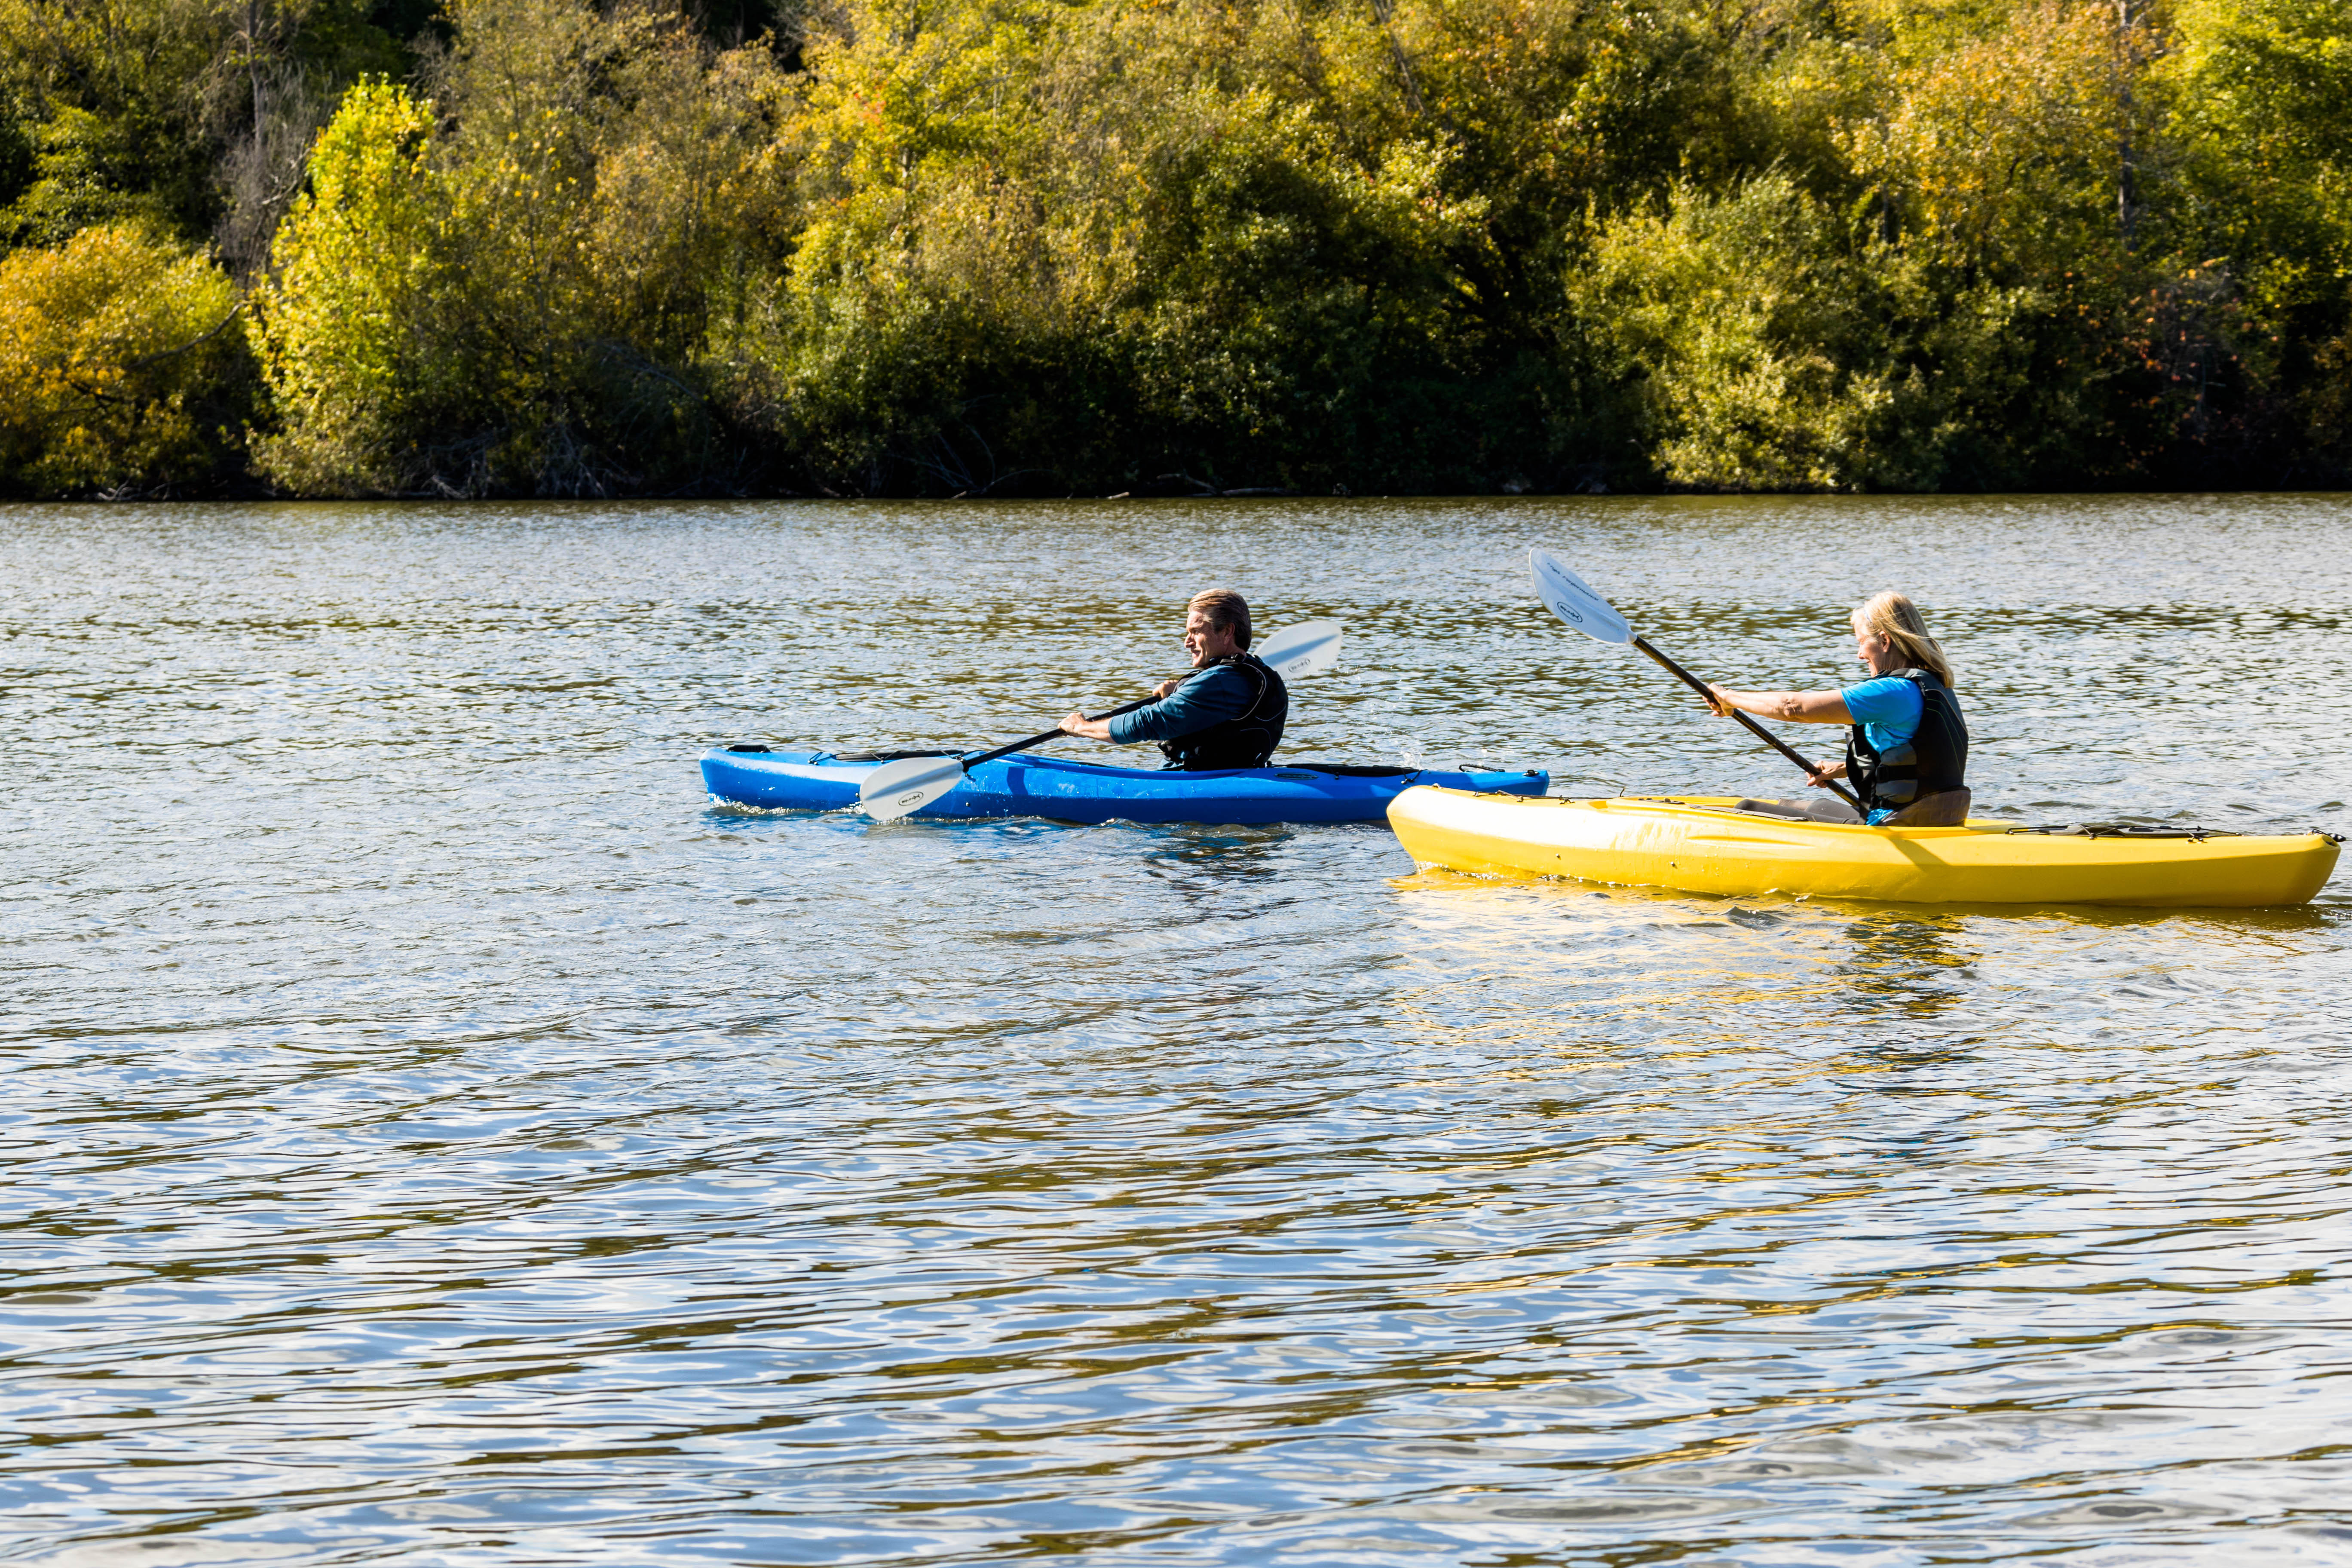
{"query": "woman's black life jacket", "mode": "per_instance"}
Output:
(1933, 760)
(1248, 739)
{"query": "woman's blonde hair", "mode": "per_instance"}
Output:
(1896, 618)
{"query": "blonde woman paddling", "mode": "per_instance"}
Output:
(1906, 749)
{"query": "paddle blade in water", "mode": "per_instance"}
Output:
(896, 789)
(1310, 648)
(1571, 598)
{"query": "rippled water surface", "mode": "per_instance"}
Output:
(436, 1133)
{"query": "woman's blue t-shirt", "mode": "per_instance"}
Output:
(1888, 706)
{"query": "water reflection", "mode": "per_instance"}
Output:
(1907, 969)
(435, 1133)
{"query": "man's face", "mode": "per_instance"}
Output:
(1204, 643)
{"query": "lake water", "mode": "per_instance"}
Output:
(436, 1133)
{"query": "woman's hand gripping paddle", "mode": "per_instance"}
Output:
(898, 789)
(1571, 598)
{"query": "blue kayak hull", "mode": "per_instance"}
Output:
(1090, 792)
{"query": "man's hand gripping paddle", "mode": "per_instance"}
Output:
(897, 789)
(1571, 598)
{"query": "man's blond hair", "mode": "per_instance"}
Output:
(1225, 611)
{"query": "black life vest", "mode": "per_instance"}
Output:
(1932, 760)
(1246, 739)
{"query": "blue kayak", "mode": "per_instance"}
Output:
(1030, 786)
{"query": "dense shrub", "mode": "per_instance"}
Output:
(505, 289)
(1016, 247)
(120, 367)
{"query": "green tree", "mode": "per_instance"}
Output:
(573, 247)
(505, 290)
(2264, 112)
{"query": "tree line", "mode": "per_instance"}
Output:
(1023, 247)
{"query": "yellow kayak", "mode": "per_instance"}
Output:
(1708, 845)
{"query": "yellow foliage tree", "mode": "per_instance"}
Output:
(337, 326)
(2008, 150)
(108, 347)
(606, 247)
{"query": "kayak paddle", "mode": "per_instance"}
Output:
(1571, 598)
(910, 783)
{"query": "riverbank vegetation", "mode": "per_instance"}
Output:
(1044, 246)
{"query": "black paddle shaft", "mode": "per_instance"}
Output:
(1761, 734)
(1040, 740)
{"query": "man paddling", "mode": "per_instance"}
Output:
(1228, 713)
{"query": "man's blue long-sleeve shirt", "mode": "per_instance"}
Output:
(1209, 696)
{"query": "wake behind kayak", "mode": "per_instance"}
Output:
(1028, 785)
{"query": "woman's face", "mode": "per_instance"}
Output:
(1875, 651)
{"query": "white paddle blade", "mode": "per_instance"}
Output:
(1310, 648)
(896, 789)
(1571, 598)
